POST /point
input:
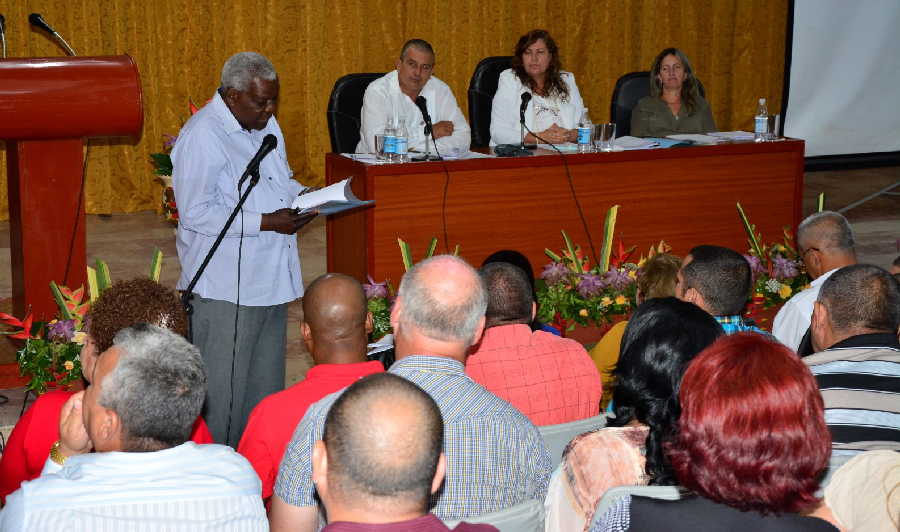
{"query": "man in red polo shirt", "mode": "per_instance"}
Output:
(549, 379)
(335, 329)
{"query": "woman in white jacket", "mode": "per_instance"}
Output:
(555, 107)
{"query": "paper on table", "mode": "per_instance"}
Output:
(696, 138)
(634, 143)
(330, 200)
(732, 135)
(361, 157)
(565, 147)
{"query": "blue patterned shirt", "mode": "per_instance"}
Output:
(496, 457)
(735, 324)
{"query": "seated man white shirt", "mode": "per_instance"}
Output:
(393, 96)
(137, 416)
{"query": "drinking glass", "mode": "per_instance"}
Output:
(605, 136)
(379, 147)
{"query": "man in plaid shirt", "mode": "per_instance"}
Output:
(496, 457)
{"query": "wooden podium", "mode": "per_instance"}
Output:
(48, 106)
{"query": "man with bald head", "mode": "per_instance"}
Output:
(380, 458)
(495, 456)
(335, 329)
(825, 243)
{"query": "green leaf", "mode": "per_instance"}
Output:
(431, 247)
(820, 203)
(405, 254)
(156, 264)
(103, 278)
(751, 233)
(573, 253)
(60, 301)
(609, 229)
(456, 251)
(93, 290)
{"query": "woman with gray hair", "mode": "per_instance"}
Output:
(674, 105)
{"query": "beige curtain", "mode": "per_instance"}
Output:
(736, 47)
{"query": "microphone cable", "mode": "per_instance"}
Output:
(84, 162)
(446, 190)
(572, 188)
(237, 312)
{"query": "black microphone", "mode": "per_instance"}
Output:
(526, 97)
(421, 104)
(3, 35)
(36, 20)
(268, 144)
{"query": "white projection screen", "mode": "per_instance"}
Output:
(844, 93)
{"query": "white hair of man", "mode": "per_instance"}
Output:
(243, 67)
(157, 387)
(827, 229)
(436, 318)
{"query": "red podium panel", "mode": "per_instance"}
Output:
(47, 107)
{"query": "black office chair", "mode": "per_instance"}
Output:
(630, 88)
(344, 110)
(482, 87)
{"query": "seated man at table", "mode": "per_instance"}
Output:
(393, 96)
(719, 281)
(380, 458)
(550, 379)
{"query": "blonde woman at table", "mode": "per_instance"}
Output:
(674, 105)
(555, 107)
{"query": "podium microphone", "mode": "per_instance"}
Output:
(36, 20)
(3, 36)
(526, 97)
(268, 144)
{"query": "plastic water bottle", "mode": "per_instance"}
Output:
(401, 145)
(761, 122)
(585, 129)
(390, 141)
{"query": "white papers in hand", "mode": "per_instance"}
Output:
(329, 200)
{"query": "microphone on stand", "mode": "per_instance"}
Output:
(3, 35)
(421, 103)
(268, 144)
(36, 20)
(526, 97)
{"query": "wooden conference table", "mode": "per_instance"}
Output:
(685, 196)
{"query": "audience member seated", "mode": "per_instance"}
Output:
(662, 337)
(825, 243)
(380, 458)
(393, 97)
(864, 494)
(674, 105)
(550, 379)
(750, 446)
(137, 415)
(857, 364)
(518, 259)
(657, 279)
(335, 329)
(496, 457)
(122, 305)
(719, 281)
(555, 107)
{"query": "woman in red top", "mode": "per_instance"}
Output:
(122, 305)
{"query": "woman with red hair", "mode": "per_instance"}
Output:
(751, 445)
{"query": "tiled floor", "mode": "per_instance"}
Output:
(125, 242)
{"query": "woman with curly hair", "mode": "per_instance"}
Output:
(122, 305)
(555, 107)
(661, 338)
(751, 445)
(674, 105)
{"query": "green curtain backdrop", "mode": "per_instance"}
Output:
(736, 47)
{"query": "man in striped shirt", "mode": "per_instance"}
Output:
(496, 457)
(857, 363)
(137, 415)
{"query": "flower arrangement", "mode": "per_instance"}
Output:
(51, 356)
(162, 167)
(571, 292)
(778, 271)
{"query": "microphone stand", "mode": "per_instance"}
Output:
(188, 293)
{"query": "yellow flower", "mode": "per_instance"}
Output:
(632, 274)
(78, 337)
(52, 322)
(784, 291)
(606, 301)
(759, 295)
(583, 312)
(69, 365)
(620, 299)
